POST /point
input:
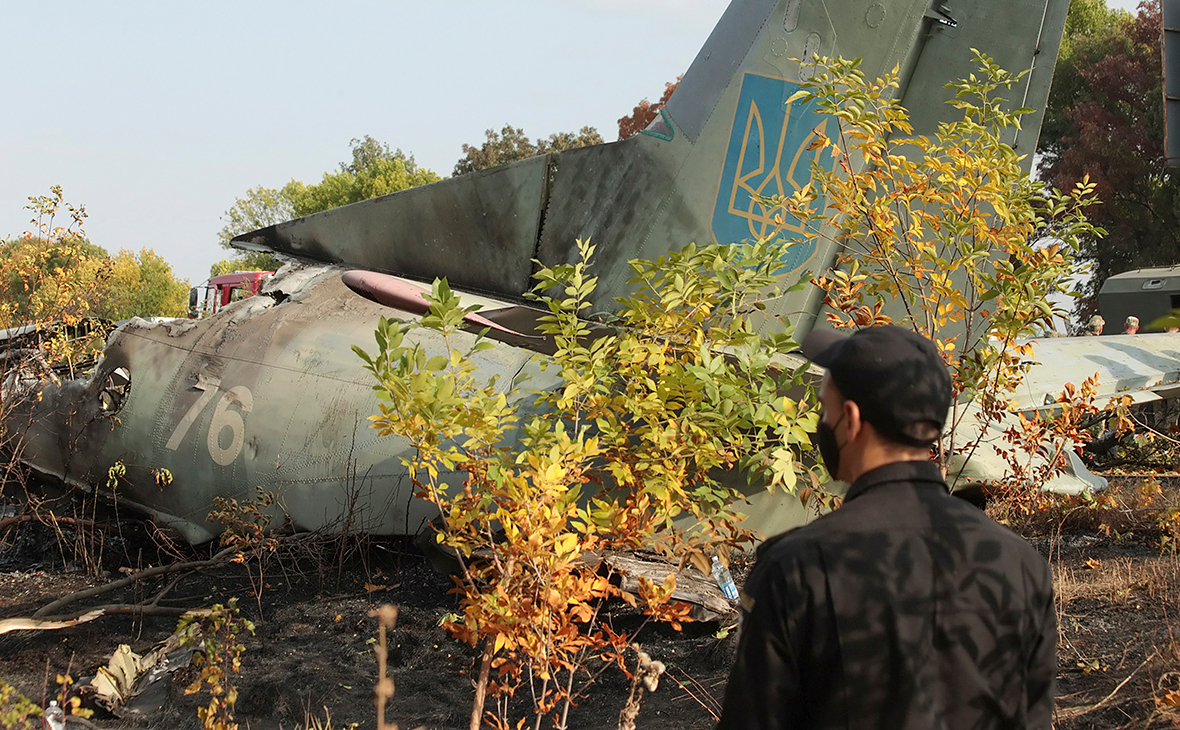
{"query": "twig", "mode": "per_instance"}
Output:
(387, 618)
(710, 705)
(141, 575)
(1070, 713)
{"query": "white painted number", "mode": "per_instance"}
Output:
(222, 419)
(210, 388)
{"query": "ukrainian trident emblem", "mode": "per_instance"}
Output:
(767, 156)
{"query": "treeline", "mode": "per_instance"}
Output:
(37, 273)
(53, 273)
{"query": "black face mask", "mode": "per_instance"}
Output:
(824, 439)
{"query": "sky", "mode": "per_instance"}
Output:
(156, 116)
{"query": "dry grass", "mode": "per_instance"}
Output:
(1120, 580)
(1116, 569)
(1142, 508)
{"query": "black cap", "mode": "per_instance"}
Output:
(894, 375)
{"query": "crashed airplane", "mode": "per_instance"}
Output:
(267, 393)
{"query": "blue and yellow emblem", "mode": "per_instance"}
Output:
(767, 156)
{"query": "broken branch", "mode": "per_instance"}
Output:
(217, 559)
(1069, 713)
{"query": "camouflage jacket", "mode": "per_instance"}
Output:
(904, 608)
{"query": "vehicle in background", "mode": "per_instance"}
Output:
(219, 291)
(1149, 294)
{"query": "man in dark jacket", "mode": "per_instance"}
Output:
(906, 607)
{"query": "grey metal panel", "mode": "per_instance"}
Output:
(478, 230)
(1001, 29)
(1145, 293)
(696, 97)
(881, 34)
(1125, 363)
(1134, 281)
(616, 194)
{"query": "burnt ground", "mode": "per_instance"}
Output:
(314, 641)
(313, 647)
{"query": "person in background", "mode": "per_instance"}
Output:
(906, 608)
(1131, 326)
(1094, 327)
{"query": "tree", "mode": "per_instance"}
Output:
(52, 273)
(645, 112)
(49, 279)
(261, 207)
(1105, 121)
(1092, 32)
(510, 144)
(55, 274)
(374, 170)
(246, 261)
(141, 285)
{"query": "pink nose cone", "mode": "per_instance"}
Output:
(388, 290)
(401, 294)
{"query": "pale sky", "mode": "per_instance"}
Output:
(157, 115)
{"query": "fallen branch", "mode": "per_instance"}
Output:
(46, 624)
(139, 609)
(8, 522)
(115, 609)
(1070, 713)
(217, 559)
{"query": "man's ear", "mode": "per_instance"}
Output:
(852, 419)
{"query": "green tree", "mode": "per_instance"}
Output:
(247, 261)
(511, 144)
(374, 170)
(141, 285)
(259, 208)
(1092, 32)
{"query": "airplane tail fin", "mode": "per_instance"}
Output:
(726, 139)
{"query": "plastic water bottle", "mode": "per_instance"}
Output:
(724, 580)
(55, 719)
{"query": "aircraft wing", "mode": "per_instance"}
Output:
(1144, 367)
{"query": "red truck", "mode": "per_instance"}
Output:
(221, 290)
